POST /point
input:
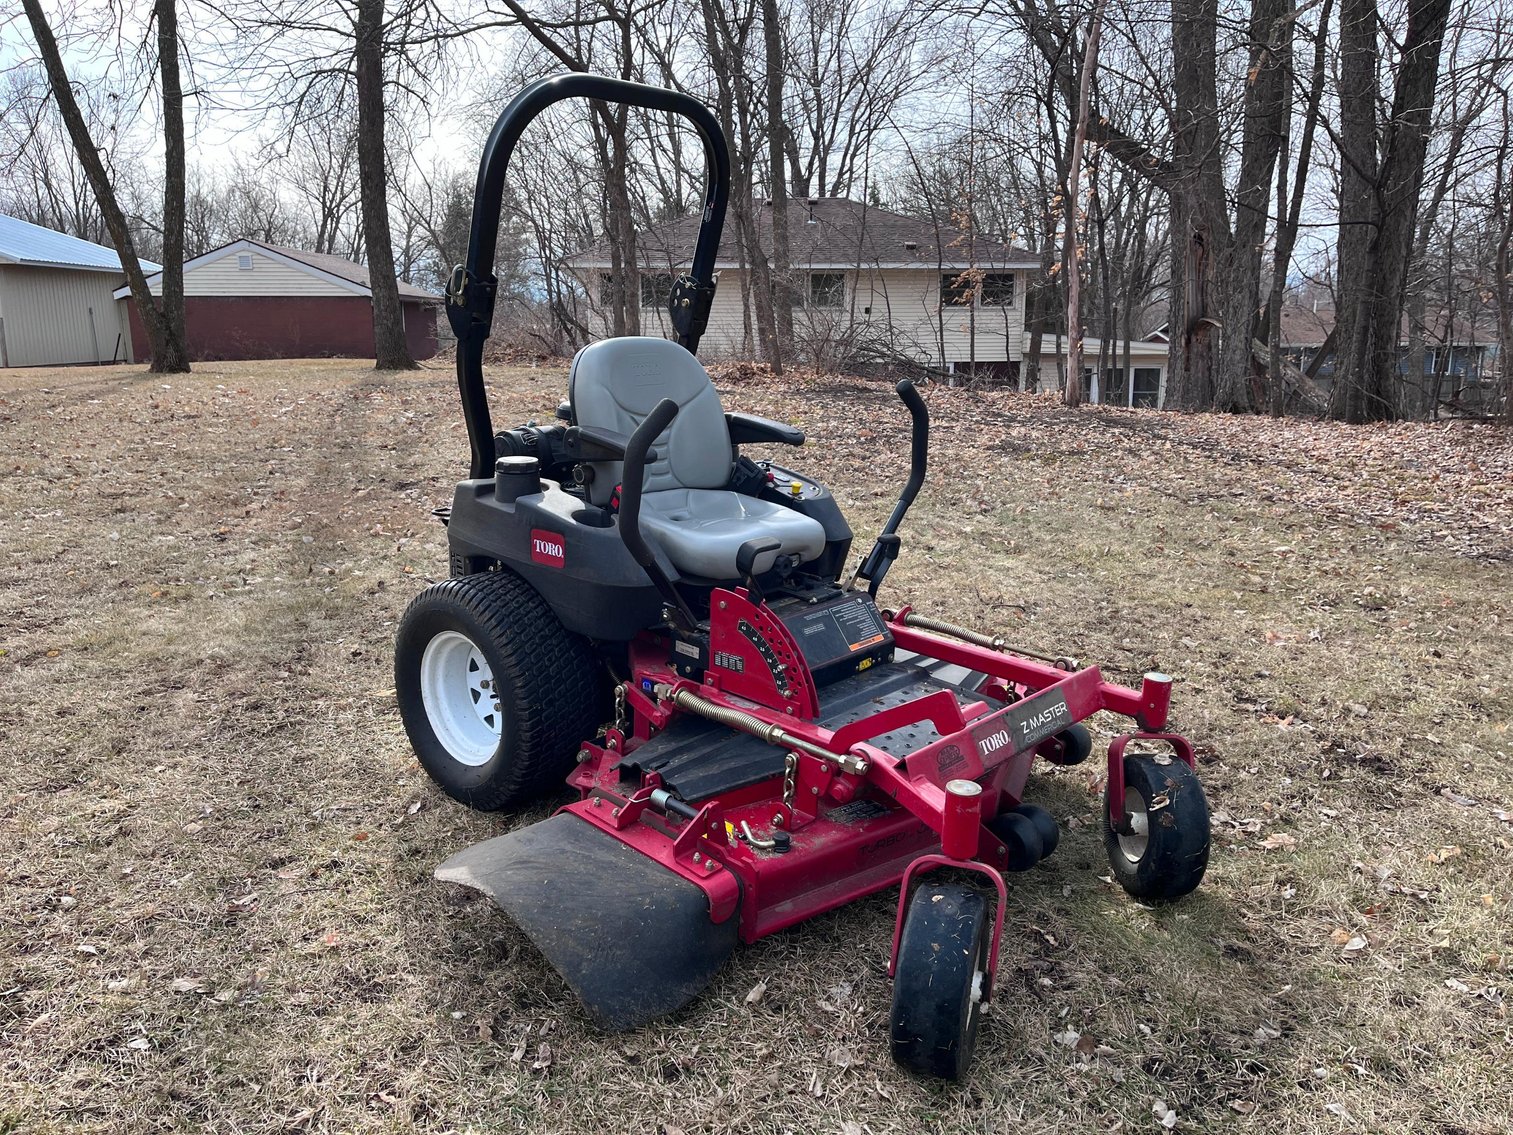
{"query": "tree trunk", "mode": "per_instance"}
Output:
(168, 354)
(1200, 234)
(1266, 110)
(390, 348)
(1073, 393)
(176, 355)
(782, 265)
(1379, 200)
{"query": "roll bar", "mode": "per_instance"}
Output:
(471, 290)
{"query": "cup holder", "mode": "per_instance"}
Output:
(594, 517)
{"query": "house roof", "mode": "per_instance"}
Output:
(1309, 324)
(346, 274)
(24, 243)
(830, 232)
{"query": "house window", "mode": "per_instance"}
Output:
(656, 289)
(244, 261)
(827, 289)
(1147, 387)
(997, 288)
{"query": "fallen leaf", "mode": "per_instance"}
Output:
(187, 985)
(1279, 840)
(757, 992)
(1244, 1107)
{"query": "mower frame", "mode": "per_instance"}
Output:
(858, 801)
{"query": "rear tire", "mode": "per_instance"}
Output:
(938, 982)
(495, 694)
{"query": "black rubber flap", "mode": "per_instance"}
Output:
(632, 939)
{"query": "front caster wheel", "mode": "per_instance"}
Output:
(1162, 851)
(938, 980)
(495, 694)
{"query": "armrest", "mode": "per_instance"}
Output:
(745, 428)
(592, 443)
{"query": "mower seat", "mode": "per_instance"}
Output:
(685, 507)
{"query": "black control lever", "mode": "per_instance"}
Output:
(875, 566)
(633, 477)
(745, 563)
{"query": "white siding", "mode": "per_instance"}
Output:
(59, 316)
(905, 316)
(267, 277)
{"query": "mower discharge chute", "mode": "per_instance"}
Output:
(637, 607)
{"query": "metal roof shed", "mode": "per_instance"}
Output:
(56, 298)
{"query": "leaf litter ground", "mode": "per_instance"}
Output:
(217, 911)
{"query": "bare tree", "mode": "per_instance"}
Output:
(1379, 198)
(163, 321)
(1073, 256)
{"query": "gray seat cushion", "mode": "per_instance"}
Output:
(615, 383)
(701, 530)
(686, 510)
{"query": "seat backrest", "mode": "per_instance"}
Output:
(615, 383)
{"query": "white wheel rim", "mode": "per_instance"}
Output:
(461, 701)
(1134, 844)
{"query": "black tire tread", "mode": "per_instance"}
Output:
(936, 954)
(1176, 854)
(554, 671)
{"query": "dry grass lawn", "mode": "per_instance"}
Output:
(216, 910)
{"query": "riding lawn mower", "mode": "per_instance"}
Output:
(638, 608)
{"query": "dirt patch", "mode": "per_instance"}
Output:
(217, 911)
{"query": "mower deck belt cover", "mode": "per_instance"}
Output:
(632, 939)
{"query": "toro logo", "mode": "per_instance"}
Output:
(990, 744)
(547, 548)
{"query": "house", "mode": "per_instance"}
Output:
(249, 300)
(57, 305)
(1146, 358)
(866, 283)
(1460, 349)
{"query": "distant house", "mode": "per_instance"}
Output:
(866, 283)
(1144, 386)
(1459, 349)
(249, 300)
(57, 304)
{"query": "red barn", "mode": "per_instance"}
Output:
(249, 300)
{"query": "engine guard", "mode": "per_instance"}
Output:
(632, 939)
